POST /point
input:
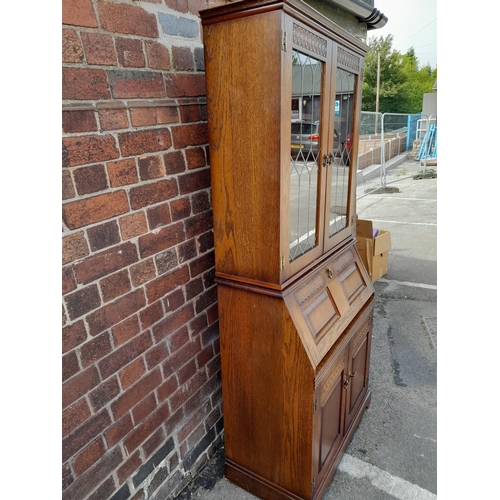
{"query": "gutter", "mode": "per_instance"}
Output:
(365, 13)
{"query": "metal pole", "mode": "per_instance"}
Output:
(378, 92)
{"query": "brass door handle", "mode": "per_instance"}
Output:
(329, 272)
(351, 375)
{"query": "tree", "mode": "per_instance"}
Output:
(402, 83)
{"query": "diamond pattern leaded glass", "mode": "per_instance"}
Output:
(304, 170)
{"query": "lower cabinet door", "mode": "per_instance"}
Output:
(329, 413)
(357, 372)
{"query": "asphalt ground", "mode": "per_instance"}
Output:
(393, 453)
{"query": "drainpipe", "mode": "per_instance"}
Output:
(365, 13)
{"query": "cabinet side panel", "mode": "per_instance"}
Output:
(243, 74)
(267, 387)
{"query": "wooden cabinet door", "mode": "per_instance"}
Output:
(329, 414)
(357, 373)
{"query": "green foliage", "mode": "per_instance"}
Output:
(402, 82)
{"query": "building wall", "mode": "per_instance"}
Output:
(141, 373)
(141, 387)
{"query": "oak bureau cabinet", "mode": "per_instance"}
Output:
(295, 302)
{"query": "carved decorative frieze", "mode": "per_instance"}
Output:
(309, 40)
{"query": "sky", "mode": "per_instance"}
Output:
(413, 24)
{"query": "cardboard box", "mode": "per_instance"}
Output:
(374, 251)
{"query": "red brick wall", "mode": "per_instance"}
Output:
(141, 373)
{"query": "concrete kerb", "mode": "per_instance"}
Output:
(373, 171)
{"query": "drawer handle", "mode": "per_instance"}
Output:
(329, 272)
(348, 379)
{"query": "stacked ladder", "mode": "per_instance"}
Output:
(428, 147)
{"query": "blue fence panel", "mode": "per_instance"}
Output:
(411, 134)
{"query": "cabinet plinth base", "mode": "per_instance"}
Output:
(264, 489)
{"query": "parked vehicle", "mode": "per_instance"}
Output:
(305, 140)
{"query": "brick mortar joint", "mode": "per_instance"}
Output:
(160, 103)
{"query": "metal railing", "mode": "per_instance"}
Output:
(385, 136)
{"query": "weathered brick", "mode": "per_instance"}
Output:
(167, 283)
(166, 261)
(68, 280)
(179, 26)
(105, 490)
(130, 52)
(182, 59)
(178, 5)
(196, 5)
(185, 84)
(104, 393)
(125, 354)
(95, 349)
(133, 225)
(74, 416)
(166, 114)
(87, 482)
(206, 242)
(199, 224)
(113, 119)
(74, 247)
(136, 393)
(103, 236)
(198, 325)
(194, 288)
(82, 301)
(70, 365)
(187, 251)
(190, 113)
(189, 135)
(174, 162)
(146, 428)
(84, 83)
(116, 433)
(194, 181)
(68, 190)
(172, 323)
(105, 262)
(115, 312)
(199, 59)
(180, 208)
(149, 244)
(126, 330)
(81, 213)
(67, 476)
(132, 373)
(144, 141)
(89, 456)
(151, 314)
(158, 56)
(189, 389)
(73, 335)
(99, 49)
(79, 385)
(88, 149)
(122, 173)
(154, 442)
(143, 117)
(79, 13)
(150, 167)
(144, 408)
(195, 158)
(167, 389)
(202, 264)
(143, 272)
(72, 51)
(159, 216)
(128, 84)
(131, 465)
(156, 355)
(115, 285)
(127, 19)
(173, 301)
(206, 299)
(90, 179)
(201, 202)
(79, 121)
(150, 194)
